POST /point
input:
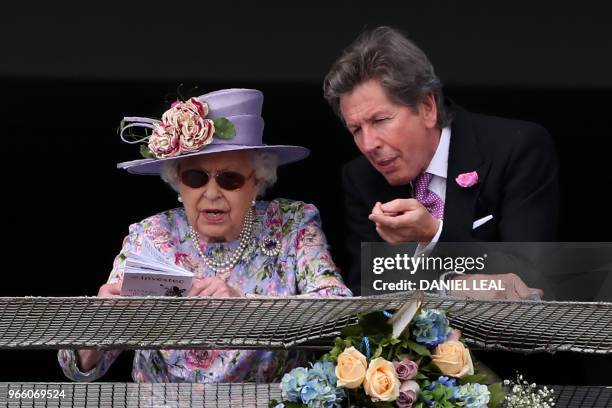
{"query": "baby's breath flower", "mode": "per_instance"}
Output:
(525, 395)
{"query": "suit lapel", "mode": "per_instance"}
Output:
(464, 157)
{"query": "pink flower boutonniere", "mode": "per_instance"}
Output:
(467, 179)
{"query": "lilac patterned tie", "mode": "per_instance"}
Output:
(429, 199)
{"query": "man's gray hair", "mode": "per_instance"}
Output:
(263, 163)
(403, 69)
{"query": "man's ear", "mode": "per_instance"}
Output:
(429, 111)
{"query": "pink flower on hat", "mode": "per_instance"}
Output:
(164, 141)
(187, 120)
(195, 135)
(180, 112)
(467, 179)
(185, 128)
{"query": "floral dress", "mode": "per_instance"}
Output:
(303, 266)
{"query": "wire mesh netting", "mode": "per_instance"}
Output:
(528, 326)
(120, 395)
(124, 395)
(133, 323)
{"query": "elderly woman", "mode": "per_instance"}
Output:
(209, 149)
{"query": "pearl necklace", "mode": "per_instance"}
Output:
(227, 264)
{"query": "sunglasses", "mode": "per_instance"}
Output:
(227, 180)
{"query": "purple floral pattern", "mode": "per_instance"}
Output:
(303, 266)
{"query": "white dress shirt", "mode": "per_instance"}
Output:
(438, 167)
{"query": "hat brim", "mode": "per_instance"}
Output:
(285, 154)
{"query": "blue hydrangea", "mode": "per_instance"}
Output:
(311, 392)
(474, 395)
(430, 327)
(315, 387)
(325, 371)
(292, 383)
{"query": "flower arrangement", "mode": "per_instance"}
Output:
(183, 129)
(426, 365)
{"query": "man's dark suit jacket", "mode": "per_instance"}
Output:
(518, 184)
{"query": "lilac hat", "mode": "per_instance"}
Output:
(220, 121)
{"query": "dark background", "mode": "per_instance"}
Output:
(69, 73)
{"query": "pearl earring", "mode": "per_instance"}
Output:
(253, 203)
(180, 199)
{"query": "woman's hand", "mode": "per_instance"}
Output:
(212, 286)
(87, 358)
(110, 290)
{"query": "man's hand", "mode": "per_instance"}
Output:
(514, 287)
(212, 286)
(404, 220)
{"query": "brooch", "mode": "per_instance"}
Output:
(270, 246)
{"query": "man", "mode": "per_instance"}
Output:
(430, 170)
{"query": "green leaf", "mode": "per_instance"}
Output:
(476, 378)
(439, 393)
(378, 352)
(383, 404)
(497, 395)
(338, 348)
(338, 342)
(417, 348)
(224, 129)
(430, 368)
(145, 152)
(121, 125)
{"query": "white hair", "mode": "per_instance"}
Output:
(263, 163)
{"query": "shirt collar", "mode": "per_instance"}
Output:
(438, 166)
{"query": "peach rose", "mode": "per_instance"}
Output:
(381, 382)
(453, 359)
(351, 368)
